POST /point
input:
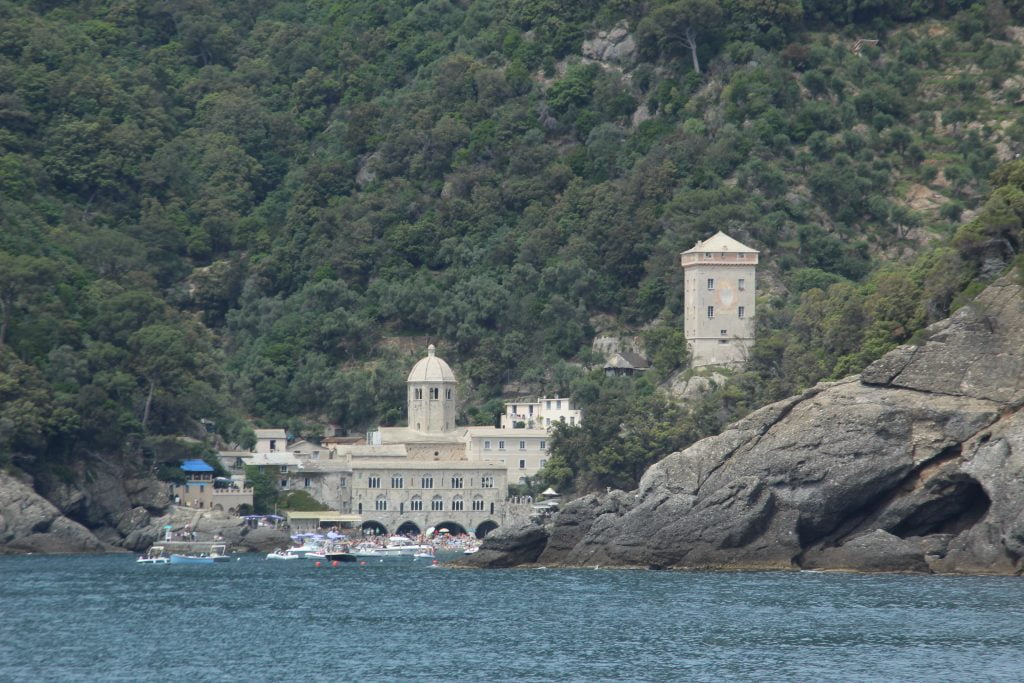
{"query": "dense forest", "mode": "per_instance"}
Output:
(223, 214)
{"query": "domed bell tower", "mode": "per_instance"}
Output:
(431, 387)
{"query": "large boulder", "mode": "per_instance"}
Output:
(614, 46)
(913, 466)
(508, 547)
(31, 524)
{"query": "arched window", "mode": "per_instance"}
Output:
(437, 503)
(457, 504)
(382, 503)
(478, 503)
(416, 504)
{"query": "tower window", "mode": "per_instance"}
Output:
(448, 392)
(417, 393)
(742, 284)
(435, 393)
(740, 310)
(711, 312)
(725, 333)
(711, 283)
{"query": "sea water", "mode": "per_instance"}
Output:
(105, 618)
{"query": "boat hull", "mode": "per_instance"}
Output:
(189, 559)
(340, 557)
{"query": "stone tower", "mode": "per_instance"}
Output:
(718, 289)
(431, 387)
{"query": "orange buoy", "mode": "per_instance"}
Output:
(334, 563)
(362, 563)
(317, 563)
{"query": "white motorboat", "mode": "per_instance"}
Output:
(281, 555)
(155, 555)
(400, 546)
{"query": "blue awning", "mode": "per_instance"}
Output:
(195, 466)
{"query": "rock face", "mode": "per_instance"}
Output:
(508, 547)
(112, 497)
(31, 524)
(615, 46)
(915, 465)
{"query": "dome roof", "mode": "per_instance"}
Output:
(431, 369)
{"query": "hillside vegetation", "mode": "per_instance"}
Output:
(264, 209)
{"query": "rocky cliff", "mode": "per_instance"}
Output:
(915, 465)
(109, 505)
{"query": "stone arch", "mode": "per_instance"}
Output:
(373, 528)
(218, 507)
(453, 527)
(408, 527)
(484, 528)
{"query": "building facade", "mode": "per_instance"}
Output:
(542, 413)
(719, 299)
(428, 474)
(521, 451)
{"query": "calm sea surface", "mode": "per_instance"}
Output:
(106, 618)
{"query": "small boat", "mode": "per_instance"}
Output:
(282, 555)
(340, 553)
(367, 550)
(217, 554)
(471, 550)
(400, 546)
(155, 555)
(307, 549)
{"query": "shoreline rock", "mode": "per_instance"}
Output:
(913, 466)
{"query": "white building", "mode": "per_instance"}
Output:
(719, 288)
(270, 440)
(523, 452)
(542, 413)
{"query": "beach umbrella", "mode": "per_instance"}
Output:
(443, 530)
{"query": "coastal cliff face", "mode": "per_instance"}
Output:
(112, 506)
(915, 465)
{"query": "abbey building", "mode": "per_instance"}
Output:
(427, 474)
